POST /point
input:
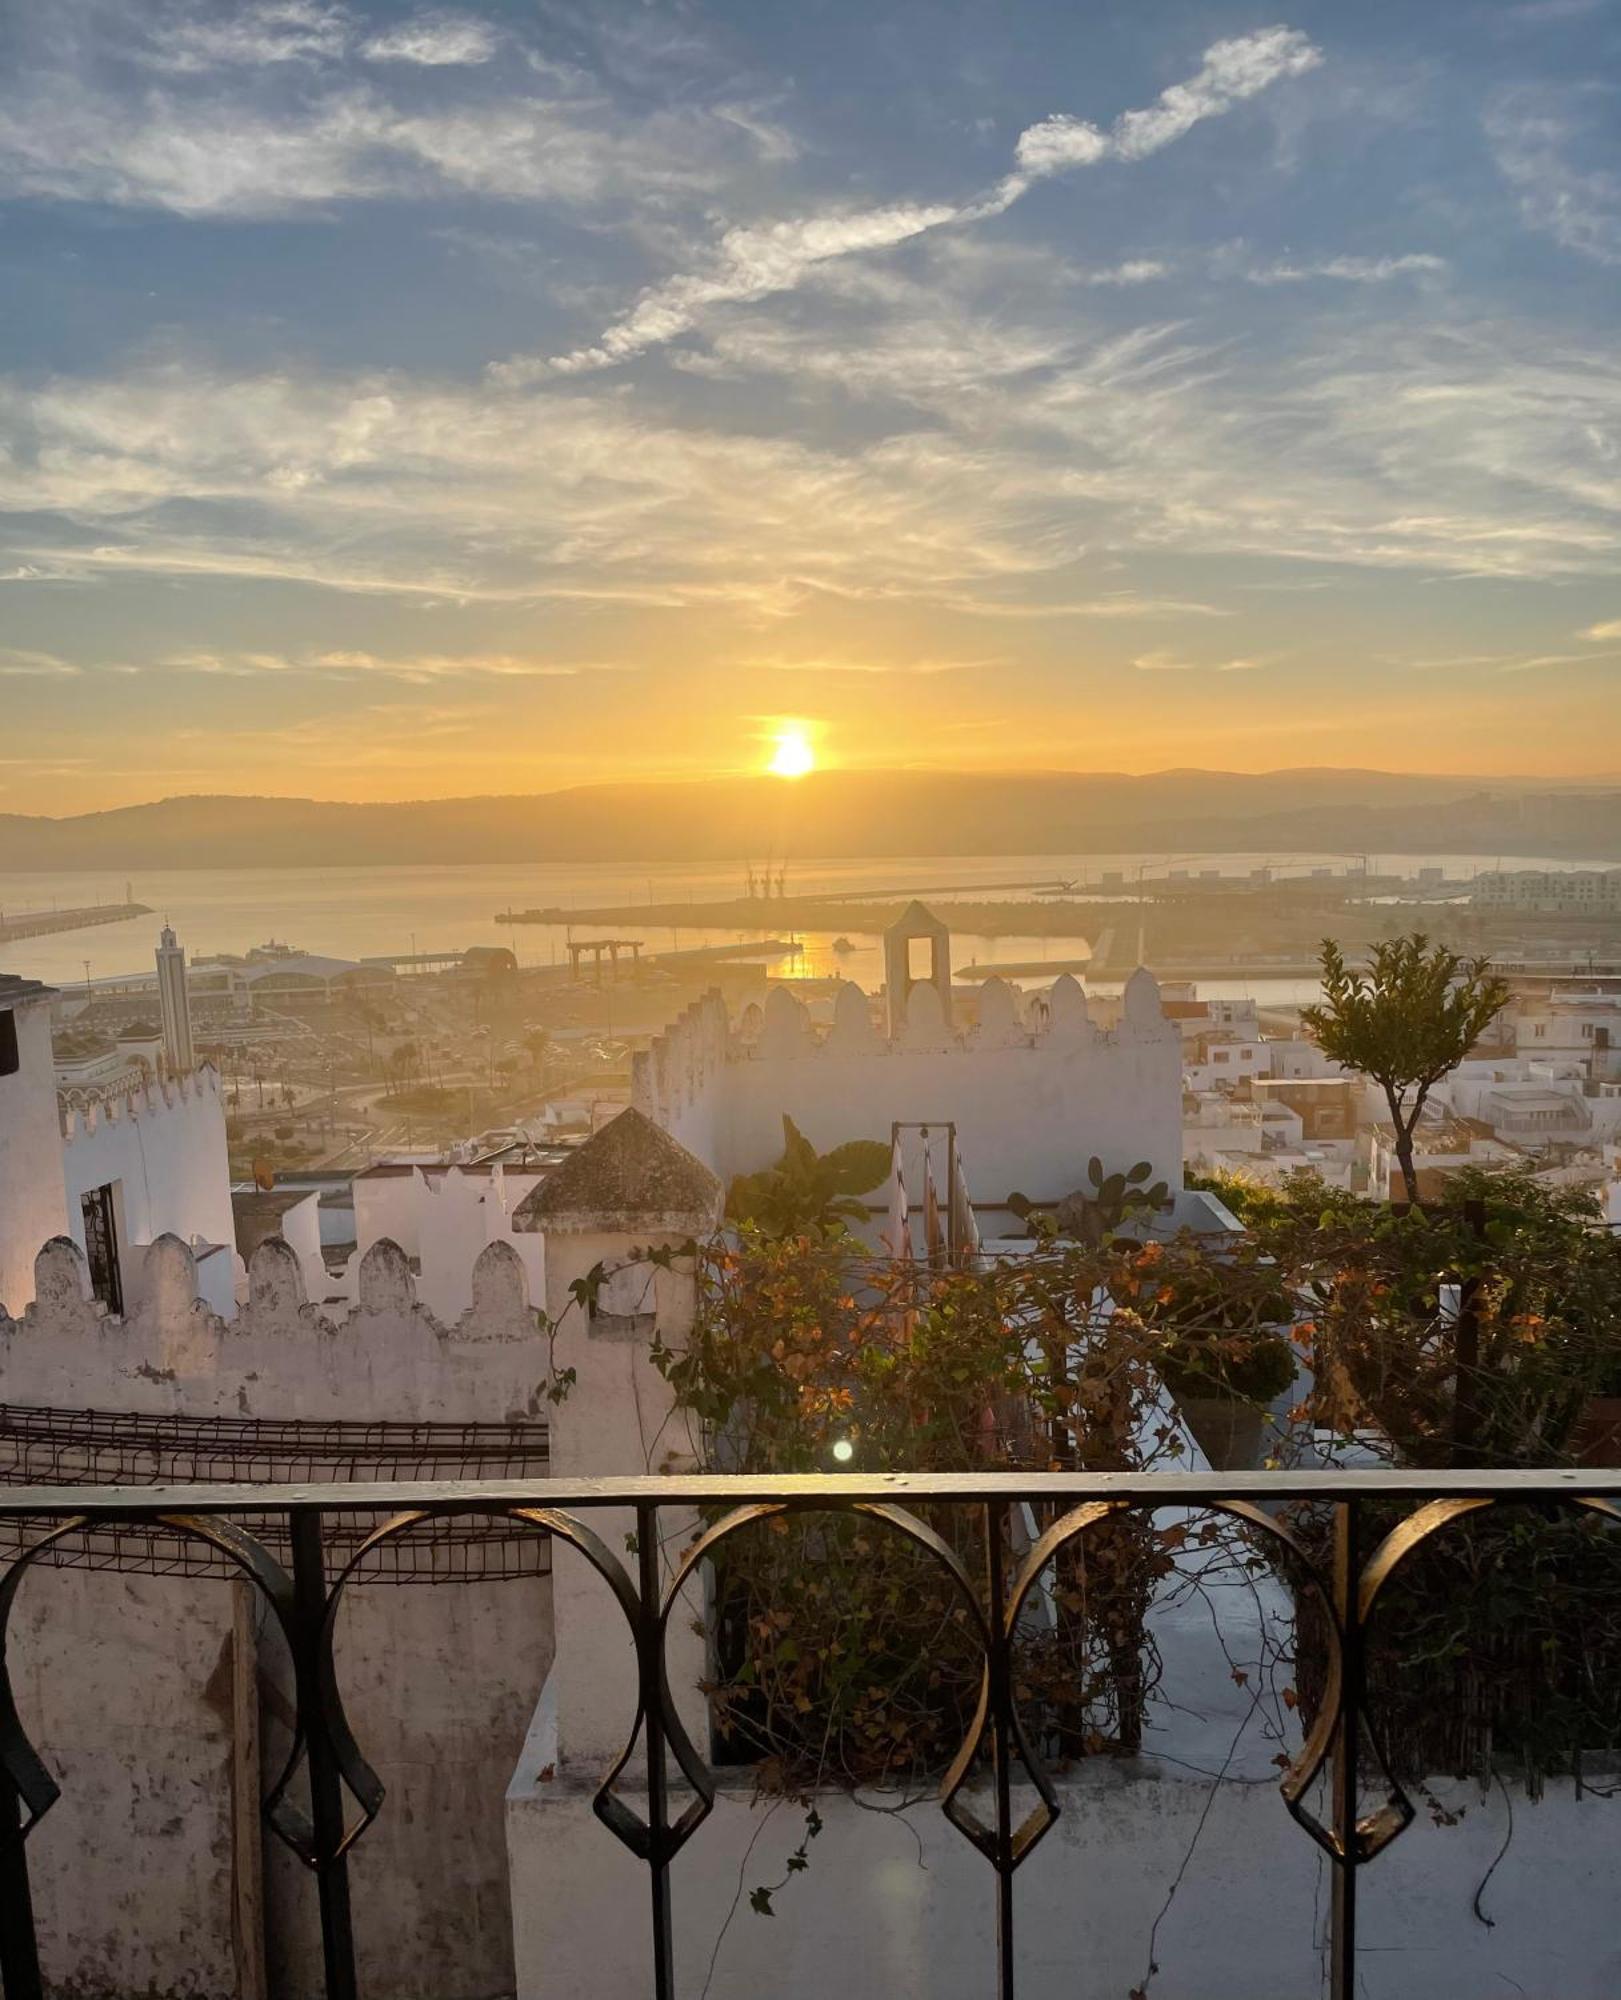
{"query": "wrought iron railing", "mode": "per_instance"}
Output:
(303, 1598)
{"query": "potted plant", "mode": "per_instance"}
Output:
(1224, 1359)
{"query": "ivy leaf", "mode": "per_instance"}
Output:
(760, 1902)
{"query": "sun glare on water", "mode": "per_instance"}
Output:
(793, 756)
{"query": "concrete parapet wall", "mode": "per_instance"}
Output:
(898, 1902)
(1035, 1088)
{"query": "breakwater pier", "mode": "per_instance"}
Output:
(44, 923)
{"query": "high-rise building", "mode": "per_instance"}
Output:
(175, 1006)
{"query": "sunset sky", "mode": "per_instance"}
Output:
(484, 399)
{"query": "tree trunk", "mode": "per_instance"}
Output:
(1404, 1159)
(1404, 1128)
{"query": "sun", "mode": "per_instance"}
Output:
(793, 756)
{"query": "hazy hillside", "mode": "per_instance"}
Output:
(843, 814)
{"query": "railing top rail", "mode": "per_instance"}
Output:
(839, 1488)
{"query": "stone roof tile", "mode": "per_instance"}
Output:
(631, 1172)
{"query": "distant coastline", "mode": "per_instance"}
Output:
(868, 815)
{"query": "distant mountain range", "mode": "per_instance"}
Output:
(853, 815)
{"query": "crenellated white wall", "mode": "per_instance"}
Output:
(32, 1205)
(1034, 1089)
(679, 1079)
(162, 1146)
(390, 1357)
(124, 1681)
(443, 1218)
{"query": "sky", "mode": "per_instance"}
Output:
(402, 402)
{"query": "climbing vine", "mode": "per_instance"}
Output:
(844, 1653)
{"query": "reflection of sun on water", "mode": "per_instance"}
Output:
(793, 756)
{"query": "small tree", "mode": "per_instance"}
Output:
(405, 1062)
(1407, 1021)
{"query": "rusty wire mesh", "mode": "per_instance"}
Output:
(51, 1447)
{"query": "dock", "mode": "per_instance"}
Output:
(717, 954)
(1024, 968)
(419, 961)
(1049, 885)
(44, 923)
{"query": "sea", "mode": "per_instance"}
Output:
(361, 912)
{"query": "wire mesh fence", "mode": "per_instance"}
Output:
(53, 1447)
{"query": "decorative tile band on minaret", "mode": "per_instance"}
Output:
(175, 1006)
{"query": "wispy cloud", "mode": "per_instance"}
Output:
(195, 39)
(286, 106)
(1349, 270)
(1161, 662)
(1442, 661)
(1450, 453)
(1551, 145)
(1539, 660)
(1609, 628)
(1135, 271)
(753, 262)
(833, 664)
(19, 664)
(43, 572)
(192, 40)
(415, 669)
(1232, 71)
(421, 667)
(434, 41)
(1126, 605)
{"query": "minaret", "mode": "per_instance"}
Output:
(174, 1006)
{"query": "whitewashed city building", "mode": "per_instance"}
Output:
(113, 1162)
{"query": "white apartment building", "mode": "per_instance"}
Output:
(1581, 892)
(1584, 1024)
(1222, 1058)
